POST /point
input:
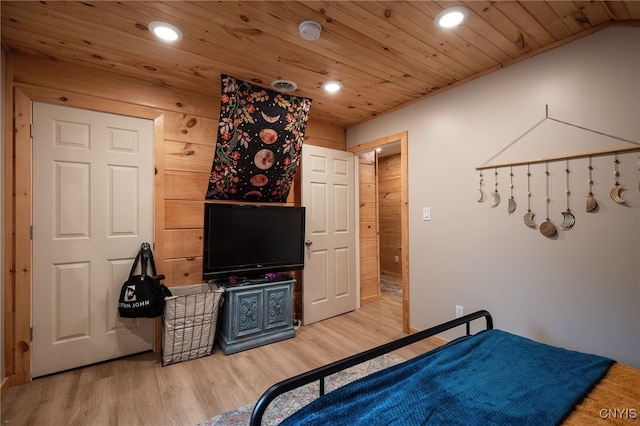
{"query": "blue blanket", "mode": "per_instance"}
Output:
(491, 378)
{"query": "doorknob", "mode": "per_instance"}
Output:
(308, 243)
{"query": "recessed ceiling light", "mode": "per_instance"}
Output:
(165, 31)
(451, 17)
(332, 86)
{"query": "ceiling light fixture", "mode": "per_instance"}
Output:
(332, 86)
(451, 17)
(165, 31)
(310, 30)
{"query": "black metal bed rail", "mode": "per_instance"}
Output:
(321, 372)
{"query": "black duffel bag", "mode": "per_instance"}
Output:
(142, 296)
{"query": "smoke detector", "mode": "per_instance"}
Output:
(284, 85)
(310, 30)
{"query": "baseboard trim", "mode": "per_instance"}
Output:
(6, 384)
(370, 299)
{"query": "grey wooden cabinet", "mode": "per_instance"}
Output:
(255, 314)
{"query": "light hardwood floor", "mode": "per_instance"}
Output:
(137, 390)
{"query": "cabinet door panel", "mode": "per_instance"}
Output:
(278, 307)
(249, 306)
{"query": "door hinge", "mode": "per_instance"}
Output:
(31, 334)
(31, 131)
(31, 232)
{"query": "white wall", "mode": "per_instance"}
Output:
(580, 290)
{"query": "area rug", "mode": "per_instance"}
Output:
(290, 402)
(390, 287)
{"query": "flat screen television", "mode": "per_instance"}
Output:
(247, 242)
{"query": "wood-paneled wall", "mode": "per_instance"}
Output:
(389, 215)
(185, 127)
(369, 261)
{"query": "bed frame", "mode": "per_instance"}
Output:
(321, 372)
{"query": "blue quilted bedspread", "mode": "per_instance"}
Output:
(491, 378)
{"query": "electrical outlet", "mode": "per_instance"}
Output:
(396, 259)
(459, 311)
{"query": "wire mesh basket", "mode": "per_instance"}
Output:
(189, 322)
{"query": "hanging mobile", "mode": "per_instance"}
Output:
(591, 202)
(511, 206)
(547, 228)
(481, 199)
(568, 219)
(528, 217)
(496, 196)
(615, 191)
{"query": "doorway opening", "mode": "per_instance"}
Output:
(384, 233)
(389, 205)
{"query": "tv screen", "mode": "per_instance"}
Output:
(246, 242)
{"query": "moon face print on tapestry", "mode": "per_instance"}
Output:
(260, 135)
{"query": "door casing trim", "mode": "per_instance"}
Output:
(18, 340)
(403, 138)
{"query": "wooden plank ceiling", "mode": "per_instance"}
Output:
(387, 54)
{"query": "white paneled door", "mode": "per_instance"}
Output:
(92, 208)
(328, 193)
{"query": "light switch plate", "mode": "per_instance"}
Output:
(426, 213)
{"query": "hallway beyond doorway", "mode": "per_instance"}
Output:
(390, 286)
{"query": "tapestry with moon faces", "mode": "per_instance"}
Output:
(260, 135)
